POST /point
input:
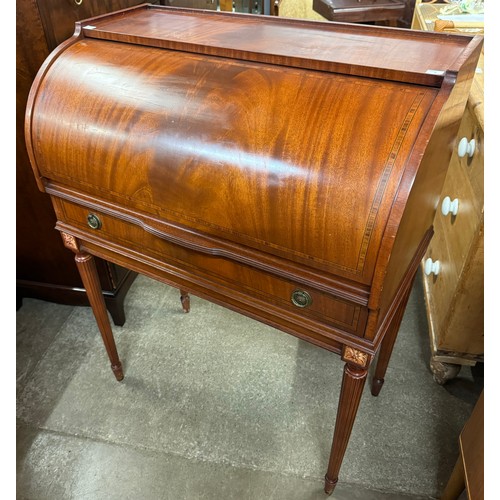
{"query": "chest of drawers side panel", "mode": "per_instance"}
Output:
(418, 197)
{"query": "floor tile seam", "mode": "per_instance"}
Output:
(199, 459)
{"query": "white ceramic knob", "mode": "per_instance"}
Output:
(466, 147)
(432, 267)
(449, 206)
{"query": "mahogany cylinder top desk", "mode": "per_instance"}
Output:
(289, 170)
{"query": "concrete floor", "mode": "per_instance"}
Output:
(218, 406)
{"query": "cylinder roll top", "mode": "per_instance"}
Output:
(240, 150)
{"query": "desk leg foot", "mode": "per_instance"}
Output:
(185, 301)
(330, 485)
(353, 382)
(88, 272)
(118, 371)
(377, 384)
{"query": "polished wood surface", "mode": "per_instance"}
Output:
(86, 267)
(219, 134)
(207, 150)
(455, 297)
(389, 339)
(353, 382)
(342, 48)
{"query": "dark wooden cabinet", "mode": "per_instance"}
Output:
(44, 270)
(193, 4)
(394, 12)
(58, 17)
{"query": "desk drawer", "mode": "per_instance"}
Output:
(289, 295)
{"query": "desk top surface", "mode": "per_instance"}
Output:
(403, 55)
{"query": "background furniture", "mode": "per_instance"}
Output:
(361, 11)
(425, 15)
(43, 268)
(269, 7)
(454, 290)
(468, 473)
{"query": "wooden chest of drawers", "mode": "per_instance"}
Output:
(455, 296)
(288, 170)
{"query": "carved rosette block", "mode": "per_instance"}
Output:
(70, 242)
(355, 357)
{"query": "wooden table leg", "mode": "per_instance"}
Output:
(88, 272)
(185, 301)
(386, 350)
(388, 343)
(353, 382)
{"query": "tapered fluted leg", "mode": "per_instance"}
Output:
(387, 345)
(88, 272)
(353, 382)
(185, 301)
(386, 351)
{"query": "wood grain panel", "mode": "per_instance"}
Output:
(337, 47)
(230, 154)
(463, 332)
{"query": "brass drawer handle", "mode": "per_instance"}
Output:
(93, 221)
(78, 2)
(300, 298)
